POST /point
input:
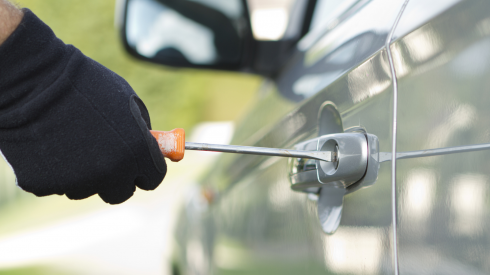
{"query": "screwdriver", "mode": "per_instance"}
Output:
(172, 144)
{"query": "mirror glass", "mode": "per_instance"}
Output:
(186, 32)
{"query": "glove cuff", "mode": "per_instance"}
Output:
(32, 52)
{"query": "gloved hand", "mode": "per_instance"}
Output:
(68, 125)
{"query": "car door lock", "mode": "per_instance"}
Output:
(356, 162)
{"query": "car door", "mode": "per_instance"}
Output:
(255, 223)
(442, 61)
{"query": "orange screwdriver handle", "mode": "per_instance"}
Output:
(171, 143)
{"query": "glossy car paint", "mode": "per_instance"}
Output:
(253, 223)
(444, 98)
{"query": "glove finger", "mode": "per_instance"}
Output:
(80, 194)
(117, 194)
(143, 182)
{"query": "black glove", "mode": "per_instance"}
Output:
(68, 125)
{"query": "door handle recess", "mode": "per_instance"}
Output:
(356, 167)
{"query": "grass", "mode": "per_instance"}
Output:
(34, 270)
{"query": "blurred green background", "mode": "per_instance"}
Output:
(174, 97)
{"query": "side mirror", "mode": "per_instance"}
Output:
(186, 33)
(214, 34)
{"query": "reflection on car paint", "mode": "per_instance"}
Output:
(355, 244)
(367, 80)
(443, 102)
(355, 39)
(419, 12)
(367, 19)
(474, 60)
(467, 194)
(418, 198)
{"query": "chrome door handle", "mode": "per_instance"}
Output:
(356, 167)
(357, 155)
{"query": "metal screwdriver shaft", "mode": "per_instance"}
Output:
(319, 155)
(172, 145)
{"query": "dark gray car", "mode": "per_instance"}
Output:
(370, 79)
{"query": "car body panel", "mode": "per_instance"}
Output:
(278, 228)
(442, 69)
(255, 224)
(261, 226)
(418, 13)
